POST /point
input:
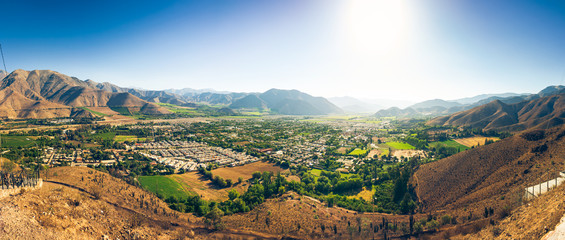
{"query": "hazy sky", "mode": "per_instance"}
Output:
(399, 49)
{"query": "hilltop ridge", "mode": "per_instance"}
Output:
(49, 94)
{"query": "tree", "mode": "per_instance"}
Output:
(233, 194)
(214, 218)
(8, 166)
(256, 175)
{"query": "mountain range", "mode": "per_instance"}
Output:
(48, 94)
(439, 107)
(539, 112)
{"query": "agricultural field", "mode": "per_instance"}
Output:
(474, 141)
(373, 152)
(384, 152)
(178, 109)
(105, 135)
(94, 112)
(357, 152)
(163, 186)
(449, 143)
(123, 138)
(408, 153)
(341, 150)
(400, 146)
(17, 141)
(105, 111)
(121, 110)
(316, 172)
(194, 183)
(246, 171)
(364, 194)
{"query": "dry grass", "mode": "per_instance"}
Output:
(80, 203)
(303, 217)
(529, 221)
(341, 150)
(408, 153)
(246, 171)
(365, 194)
(475, 141)
(104, 110)
(373, 153)
(194, 182)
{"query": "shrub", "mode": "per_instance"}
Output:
(534, 135)
(445, 219)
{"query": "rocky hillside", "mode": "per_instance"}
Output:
(49, 94)
(494, 175)
(544, 112)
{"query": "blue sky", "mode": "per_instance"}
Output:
(398, 49)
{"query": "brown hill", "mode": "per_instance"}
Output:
(48, 94)
(529, 221)
(81, 203)
(542, 112)
(493, 175)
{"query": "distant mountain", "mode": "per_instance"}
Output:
(354, 105)
(49, 94)
(544, 112)
(439, 107)
(189, 92)
(551, 90)
(216, 98)
(397, 112)
(471, 100)
(435, 103)
(155, 96)
(249, 101)
(3, 74)
(294, 102)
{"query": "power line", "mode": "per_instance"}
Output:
(3, 61)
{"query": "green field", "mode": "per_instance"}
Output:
(163, 186)
(92, 111)
(384, 152)
(121, 110)
(181, 110)
(357, 152)
(105, 136)
(400, 145)
(449, 143)
(123, 138)
(316, 172)
(17, 141)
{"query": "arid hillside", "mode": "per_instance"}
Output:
(48, 94)
(532, 220)
(492, 176)
(542, 112)
(81, 203)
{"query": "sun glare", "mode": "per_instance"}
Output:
(377, 27)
